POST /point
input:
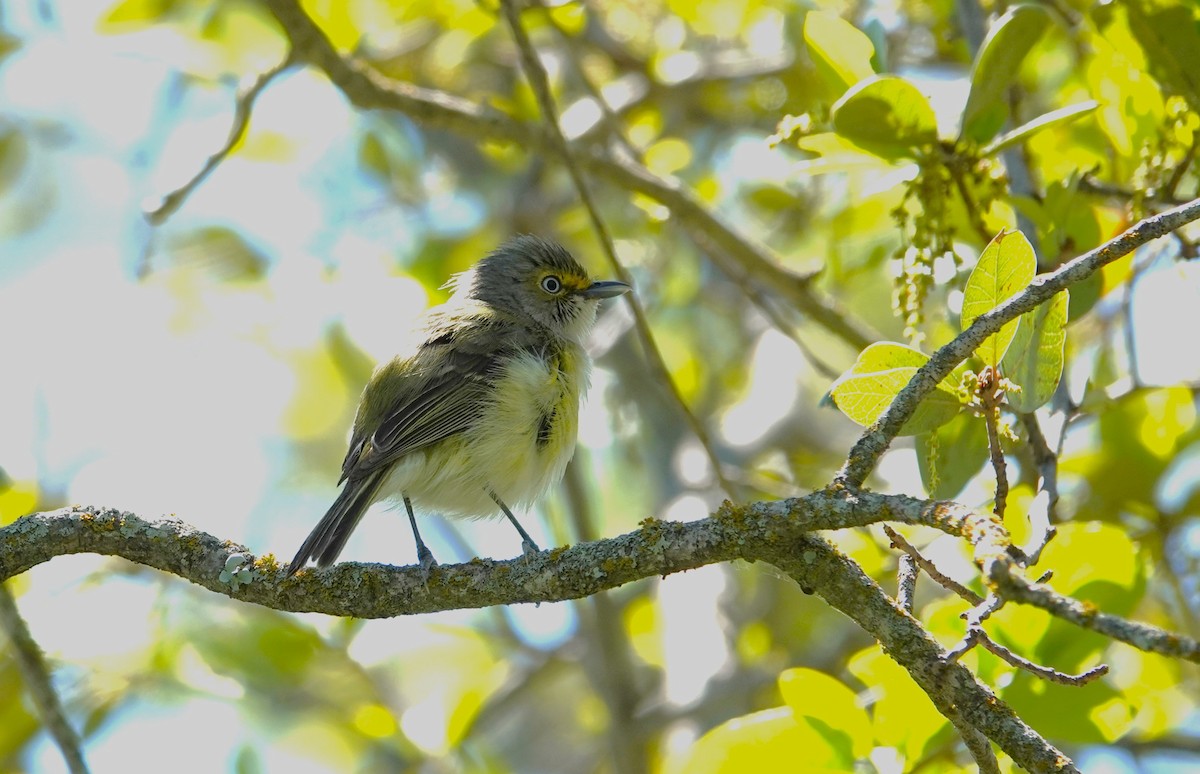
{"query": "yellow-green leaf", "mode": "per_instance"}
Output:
(817, 696)
(887, 114)
(770, 740)
(902, 714)
(1000, 57)
(878, 375)
(1005, 268)
(1026, 130)
(1035, 358)
(841, 52)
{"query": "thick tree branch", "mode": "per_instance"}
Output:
(774, 532)
(875, 439)
(659, 548)
(753, 532)
(954, 690)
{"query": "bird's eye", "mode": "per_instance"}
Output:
(551, 284)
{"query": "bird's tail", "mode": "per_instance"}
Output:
(328, 538)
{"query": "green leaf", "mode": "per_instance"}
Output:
(878, 375)
(1000, 57)
(1005, 268)
(1035, 358)
(950, 456)
(817, 696)
(887, 115)
(1095, 713)
(769, 740)
(883, 355)
(902, 714)
(841, 52)
(1170, 35)
(1045, 121)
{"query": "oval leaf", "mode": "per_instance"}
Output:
(884, 355)
(819, 697)
(1005, 268)
(1035, 359)
(1008, 42)
(952, 455)
(1045, 121)
(768, 740)
(880, 372)
(841, 52)
(886, 114)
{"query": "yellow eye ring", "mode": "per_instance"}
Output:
(551, 284)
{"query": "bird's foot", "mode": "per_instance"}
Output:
(427, 562)
(529, 548)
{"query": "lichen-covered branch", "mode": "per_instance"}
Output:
(954, 690)
(774, 532)
(749, 532)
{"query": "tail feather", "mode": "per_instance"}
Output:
(328, 538)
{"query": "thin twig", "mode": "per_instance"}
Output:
(1181, 169)
(1046, 673)
(536, 75)
(976, 636)
(610, 122)
(1043, 511)
(983, 611)
(36, 675)
(930, 569)
(990, 395)
(243, 108)
(906, 582)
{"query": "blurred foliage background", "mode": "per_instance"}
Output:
(207, 366)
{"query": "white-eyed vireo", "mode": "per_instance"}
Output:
(485, 411)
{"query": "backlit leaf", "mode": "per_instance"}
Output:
(1005, 268)
(818, 696)
(841, 52)
(1000, 57)
(1035, 358)
(878, 375)
(887, 114)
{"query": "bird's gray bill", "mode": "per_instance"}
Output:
(605, 289)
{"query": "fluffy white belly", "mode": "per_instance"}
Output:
(518, 449)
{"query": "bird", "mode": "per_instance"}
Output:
(484, 412)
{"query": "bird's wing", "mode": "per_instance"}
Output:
(442, 392)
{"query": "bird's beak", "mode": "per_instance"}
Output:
(605, 289)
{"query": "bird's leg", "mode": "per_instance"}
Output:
(527, 545)
(424, 555)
